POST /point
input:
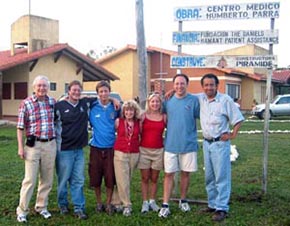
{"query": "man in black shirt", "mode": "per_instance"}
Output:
(71, 117)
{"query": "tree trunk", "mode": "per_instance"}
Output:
(142, 53)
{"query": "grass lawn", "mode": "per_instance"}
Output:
(248, 205)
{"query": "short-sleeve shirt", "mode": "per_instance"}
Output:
(102, 119)
(181, 134)
(216, 115)
(37, 117)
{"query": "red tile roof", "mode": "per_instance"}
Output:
(282, 75)
(22, 56)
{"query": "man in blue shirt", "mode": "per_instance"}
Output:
(217, 112)
(180, 142)
(102, 118)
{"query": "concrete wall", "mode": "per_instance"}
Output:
(61, 72)
(35, 32)
(125, 66)
(17, 74)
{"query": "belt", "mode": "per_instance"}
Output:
(44, 140)
(212, 139)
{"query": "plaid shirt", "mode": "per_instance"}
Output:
(37, 117)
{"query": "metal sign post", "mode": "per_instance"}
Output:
(266, 120)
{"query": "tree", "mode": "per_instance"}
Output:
(101, 52)
(142, 53)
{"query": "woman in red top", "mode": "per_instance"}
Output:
(150, 163)
(126, 153)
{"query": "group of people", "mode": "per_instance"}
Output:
(56, 134)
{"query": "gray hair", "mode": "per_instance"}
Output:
(40, 77)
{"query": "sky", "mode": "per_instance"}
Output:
(93, 24)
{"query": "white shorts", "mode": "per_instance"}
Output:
(186, 162)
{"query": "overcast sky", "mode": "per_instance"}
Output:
(90, 24)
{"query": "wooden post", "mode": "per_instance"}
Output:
(142, 53)
(266, 120)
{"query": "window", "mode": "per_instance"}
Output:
(6, 91)
(284, 100)
(66, 87)
(20, 90)
(53, 86)
(233, 90)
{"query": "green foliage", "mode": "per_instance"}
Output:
(248, 205)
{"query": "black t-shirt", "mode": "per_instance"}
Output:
(72, 123)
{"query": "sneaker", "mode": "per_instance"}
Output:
(118, 208)
(100, 208)
(127, 211)
(153, 206)
(63, 210)
(109, 209)
(45, 214)
(184, 206)
(145, 207)
(21, 218)
(81, 215)
(164, 212)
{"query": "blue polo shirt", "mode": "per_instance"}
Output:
(102, 119)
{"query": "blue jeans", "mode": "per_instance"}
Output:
(70, 166)
(217, 174)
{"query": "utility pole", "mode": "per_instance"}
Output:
(142, 53)
(29, 7)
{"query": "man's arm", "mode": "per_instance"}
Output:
(233, 134)
(20, 143)
(116, 103)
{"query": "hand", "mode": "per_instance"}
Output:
(227, 136)
(116, 103)
(169, 94)
(21, 153)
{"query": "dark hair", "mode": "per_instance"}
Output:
(73, 83)
(210, 76)
(103, 83)
(181, 75)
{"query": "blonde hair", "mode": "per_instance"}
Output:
(149, 98)
(131, 104)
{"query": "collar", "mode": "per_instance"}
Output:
(35, 99)
(216, 98)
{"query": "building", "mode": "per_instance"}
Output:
(35, 50)
(246, 84)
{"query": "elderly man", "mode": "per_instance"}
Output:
(36, 118)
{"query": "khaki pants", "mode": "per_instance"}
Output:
(39, 161)
(124, 164)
